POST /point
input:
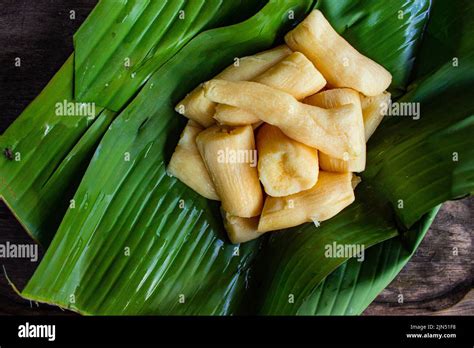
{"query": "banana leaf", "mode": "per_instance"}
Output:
(141, 242)
(433, 158)
(49, 154)
(447, 38)
(123, 42)
(55, 151)
(354, 285)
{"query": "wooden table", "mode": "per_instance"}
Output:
(438, 280)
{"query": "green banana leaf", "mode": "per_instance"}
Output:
(354, 285)
(50, 153)
(448, 36)
(141, 241)
(55, 151)
(123, 42)
(433, 157)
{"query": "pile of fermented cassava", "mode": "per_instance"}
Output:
(306, 108)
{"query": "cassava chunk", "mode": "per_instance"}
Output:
(285, 166)
(373, 110)
(187, 165)
(230, 157)
(340, 63)
(333, 98)
(239, 229)
(331, 194)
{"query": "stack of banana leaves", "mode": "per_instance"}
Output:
(123, 237)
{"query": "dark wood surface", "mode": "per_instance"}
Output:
(438, 280)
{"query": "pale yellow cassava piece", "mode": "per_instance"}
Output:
(230, 157)
(232, 116)
(328, 130)
(333, 98)
(187, 165)
(356, 180)
(285, 166)
(196, 107)
(240, 230)
(373, 110)
(332, 193)
(295, 75)
(340, 63)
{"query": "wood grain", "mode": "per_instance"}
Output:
(436, 281)
(440, 273)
